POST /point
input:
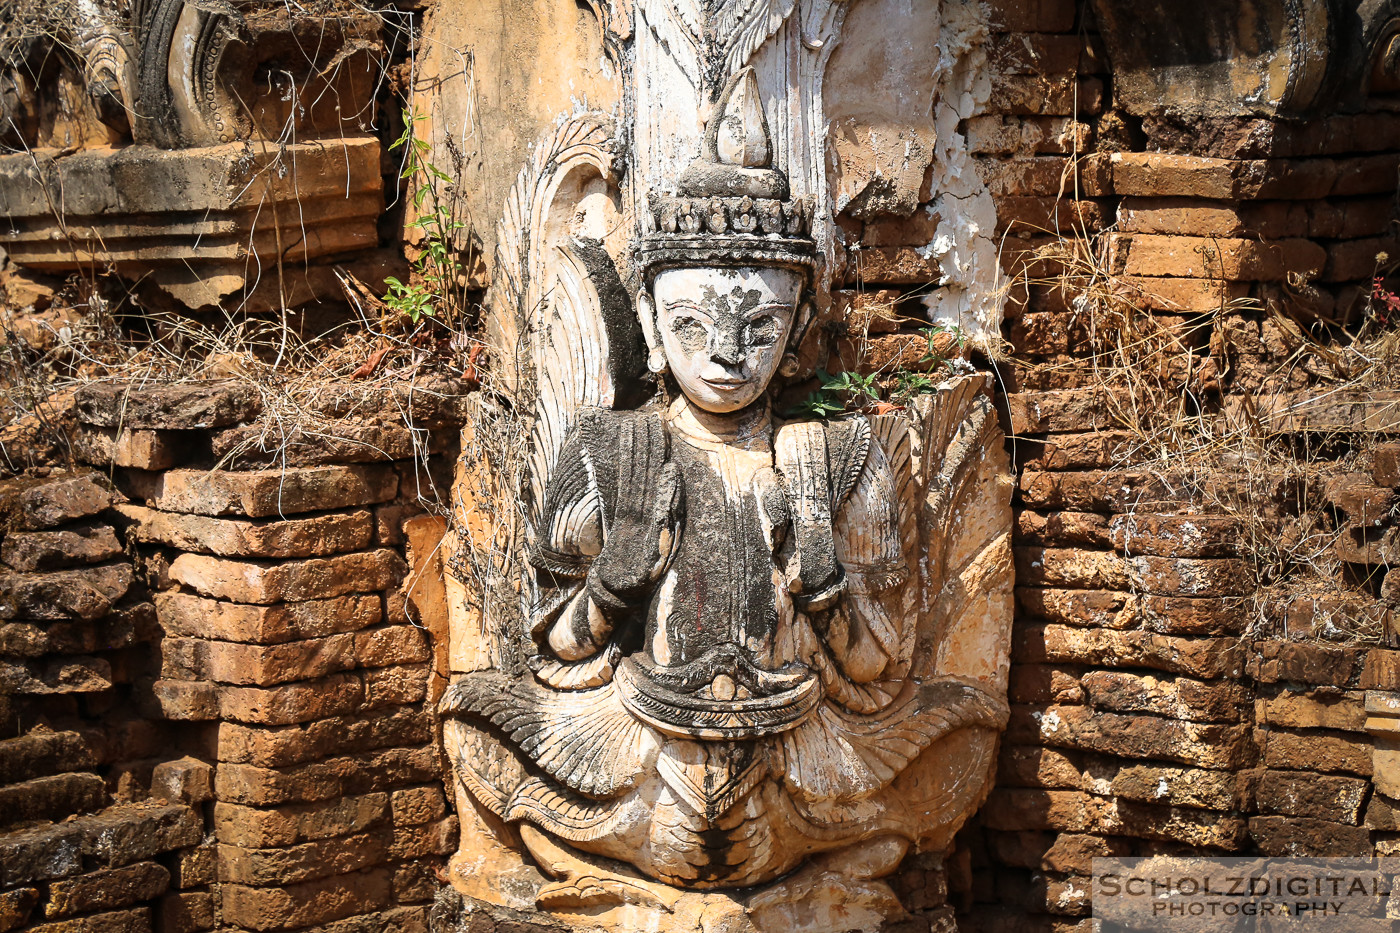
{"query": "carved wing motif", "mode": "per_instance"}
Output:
(576, 340)
(710, 40)
(679, 25)
(742, 26)
(586, 740)
(847, 756)
(965, 525)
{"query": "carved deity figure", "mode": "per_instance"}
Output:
(741, 671)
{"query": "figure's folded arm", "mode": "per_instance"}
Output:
(867, 541)
(566, 621)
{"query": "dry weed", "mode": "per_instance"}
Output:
(1167, 379)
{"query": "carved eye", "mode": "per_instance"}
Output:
(690, 332)
(763, 331)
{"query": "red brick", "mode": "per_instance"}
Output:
(309, 861)
(998, 134)
(268, 493)
(282, 705)
(1034, 766)
(28, 551)
(1041, 683)
(413, 806)
(1171, 786)
(1075, 853)
(293, 824)
(1063, 215)
(1077, 451)
(1323, 710)
(893, 265)
(182, 614)
(134, 920)
(185, 780)
(141, 449)
(1381, 670)
(391, 645)
(16, 907)
(195, 867)
(417, 842)
(1236, 260)
(176, 407)
(1183, 615)
(1095, 491)
(1294, 836)
(1034, 94)
(1072, 410)
(235, 537)
(1374, 174)
(261, 582)
(1386, 470)
(1202, 745)
(1080, 608)
(1099, 570)
(106, 890)
(1175, 535)
(1046, 176)
(187, 912)
(1315, 750)
(256, 665)
(325, 780)
(1302, 793)
(1022, 809)
(54, 500)
(277, 747)
(1293, 662)
(1182, 295)
(1183, 217)
(1176, 697)
(298, 905)
(1206, 658)
(1358, 260)
(1180, 826)
(1060, 529)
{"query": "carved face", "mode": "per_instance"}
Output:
(724, 330)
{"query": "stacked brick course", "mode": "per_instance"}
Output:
(80, 846)
(294, 783)
(1187, 677)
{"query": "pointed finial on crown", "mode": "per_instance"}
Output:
(736, 154)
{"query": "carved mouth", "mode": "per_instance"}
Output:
(725, 383)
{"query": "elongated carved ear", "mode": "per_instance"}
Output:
(806, 311)
(646, 313)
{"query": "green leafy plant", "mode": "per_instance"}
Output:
(894, 386)
(837, 393)
(436, 268)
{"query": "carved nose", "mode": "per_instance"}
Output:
(727, 350)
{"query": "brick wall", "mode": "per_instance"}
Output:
(288, 765)
(83, 846)
(1201, 659)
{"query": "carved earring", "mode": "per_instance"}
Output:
(656, 360)
(788, 365)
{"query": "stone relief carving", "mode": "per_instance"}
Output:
(755, 661)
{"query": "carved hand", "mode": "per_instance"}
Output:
(645, 519)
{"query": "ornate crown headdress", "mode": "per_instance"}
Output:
(731, 206)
